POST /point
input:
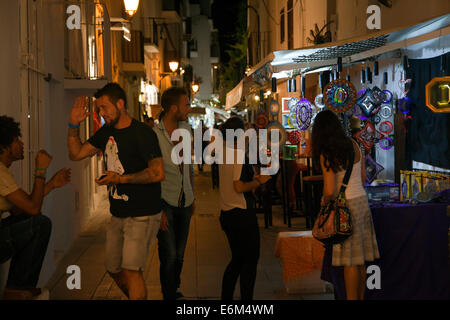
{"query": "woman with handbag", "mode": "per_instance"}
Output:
(334, 150)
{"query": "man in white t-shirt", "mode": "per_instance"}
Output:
(24, 231)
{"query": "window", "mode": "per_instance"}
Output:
(282, 25)
(290, 14)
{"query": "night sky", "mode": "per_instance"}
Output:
(229, 17)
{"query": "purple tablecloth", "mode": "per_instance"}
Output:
(413, 244)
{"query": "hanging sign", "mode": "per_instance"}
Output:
(438, 94)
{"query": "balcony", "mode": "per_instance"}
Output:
(172, 11)
(133, 54)
(87, 51)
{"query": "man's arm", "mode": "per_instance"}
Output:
(77, 150)
(153, 173)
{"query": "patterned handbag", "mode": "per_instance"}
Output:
(333, 224)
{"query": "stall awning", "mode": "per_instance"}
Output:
(235, 96)
(282, 63)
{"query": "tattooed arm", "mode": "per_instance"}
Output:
(154, 173)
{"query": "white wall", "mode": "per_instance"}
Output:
(201, 31)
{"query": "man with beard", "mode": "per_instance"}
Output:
(24, 231)
(133, 173)
(177, 193)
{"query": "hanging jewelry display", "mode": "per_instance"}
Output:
(304, 114)
(340, 95)
(372, 169)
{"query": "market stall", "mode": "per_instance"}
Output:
(391, 91)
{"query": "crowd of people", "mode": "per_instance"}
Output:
(152, 198)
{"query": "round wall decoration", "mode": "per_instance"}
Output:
(294, 137)
(274, 108)
(262, 120)
(387, 96)
(386, 111)
(340, 95)
(385, 127)
(386, 143)
(275, 125)
(292, 104)
(304, 114)
(319, 101)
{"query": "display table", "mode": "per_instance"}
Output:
(413, 244)
(301, 258)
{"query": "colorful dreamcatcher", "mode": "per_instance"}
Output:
(304, 114)
(340, 95)
(367, 105)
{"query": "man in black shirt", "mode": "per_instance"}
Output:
(134, 169)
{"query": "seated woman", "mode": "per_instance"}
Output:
(24, 231)
(238, 219)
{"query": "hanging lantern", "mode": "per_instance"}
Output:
(131, 6)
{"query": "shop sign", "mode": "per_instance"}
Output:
(438, 94)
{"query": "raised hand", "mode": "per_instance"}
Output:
(79, 110)
(43, 159)
(61, 178)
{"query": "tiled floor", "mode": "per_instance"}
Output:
(206, 257)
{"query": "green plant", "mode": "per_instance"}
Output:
(318, 37)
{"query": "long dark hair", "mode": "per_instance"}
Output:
(329, 139)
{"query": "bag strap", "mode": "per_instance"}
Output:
(348, 173)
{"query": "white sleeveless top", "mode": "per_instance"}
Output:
(355, 187)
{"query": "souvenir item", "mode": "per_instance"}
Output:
(376, 119)
(274, 108)
(262, 120)
(385, 111)
(387, 96)
(377, 96)
(319, 101)
(366, 104)
(292, 104)
(405, 105)
(372, 169)
(385, 127)
(292, 121)
(304, 114)
(294, 137)
(340, 95)
(386, 143)
(275, 125)
(367, 135)
(405, 86)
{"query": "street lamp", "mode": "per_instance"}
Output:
(131, 6)
(195, 88)
(173, 65)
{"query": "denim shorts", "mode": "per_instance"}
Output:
(128, 241)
